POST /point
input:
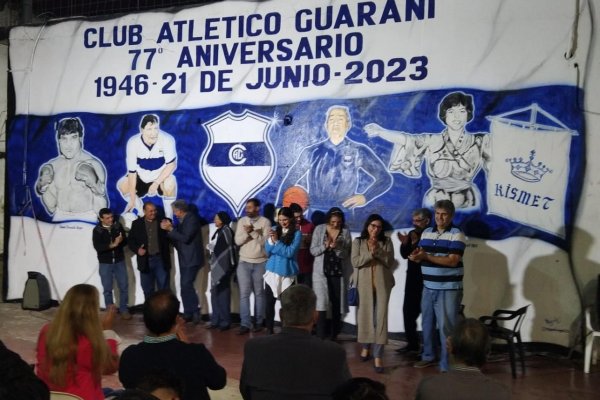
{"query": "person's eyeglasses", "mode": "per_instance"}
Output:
(376, 226)
(418, 220)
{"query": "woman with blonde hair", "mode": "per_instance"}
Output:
(72, 351)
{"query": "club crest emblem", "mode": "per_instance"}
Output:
(239, 158)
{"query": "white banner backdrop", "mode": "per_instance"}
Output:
(202, 61)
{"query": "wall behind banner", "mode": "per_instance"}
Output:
(514, 272)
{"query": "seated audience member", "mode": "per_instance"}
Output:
(161, 384)
(469, 346)
(167, 348)
(73, 352)
(293, 364)
(360, 389)
(134, 394)
(17, 379)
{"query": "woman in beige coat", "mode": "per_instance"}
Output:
(372, 259)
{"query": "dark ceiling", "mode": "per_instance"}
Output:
(32, 11)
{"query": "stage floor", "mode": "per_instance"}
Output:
(547, 377)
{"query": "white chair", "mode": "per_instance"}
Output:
(590, 335)
(63, 396)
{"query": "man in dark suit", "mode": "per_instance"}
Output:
(187, 238)
(167, 352)
(151, 246)
(293, 364)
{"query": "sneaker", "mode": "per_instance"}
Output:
(243, 330)
(125, 315)
(424, 363)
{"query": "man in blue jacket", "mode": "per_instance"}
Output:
(187, 239)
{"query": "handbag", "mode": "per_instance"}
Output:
(352, 295)
(332, 264)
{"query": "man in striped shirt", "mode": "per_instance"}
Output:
(440, 253)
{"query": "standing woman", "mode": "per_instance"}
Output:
(282, 266)
(72, 352)
(372, 258)
(223, 260)
(331, 243)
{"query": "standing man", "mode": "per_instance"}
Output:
(413, 289)
(72, 185)
(187, 238)
(305, 258)
(166, 351)
(151, 247)
(440, 253)
(151, 160)
(250, 235)
(293, 364)
(109, 241)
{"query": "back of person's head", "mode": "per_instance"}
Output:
(17, 379)
(162, 384)
(80, 306)
(470, 342)
(77, 316)
(134, 394)
(160, 311)
(360, 389)
(298, 305)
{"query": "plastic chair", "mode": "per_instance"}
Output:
(590, 335)
(512, 336)
(63, 396)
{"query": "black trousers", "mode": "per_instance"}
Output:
(334, 290)
(412, 303)
(270, 301)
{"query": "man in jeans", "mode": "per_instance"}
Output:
(109, 240)
(440, 253)
(250, 235)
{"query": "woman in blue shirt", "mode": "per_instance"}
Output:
(282, 266)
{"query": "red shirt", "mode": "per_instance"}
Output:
(82, 383)
(305, 259)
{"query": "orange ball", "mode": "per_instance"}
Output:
(296, 194)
